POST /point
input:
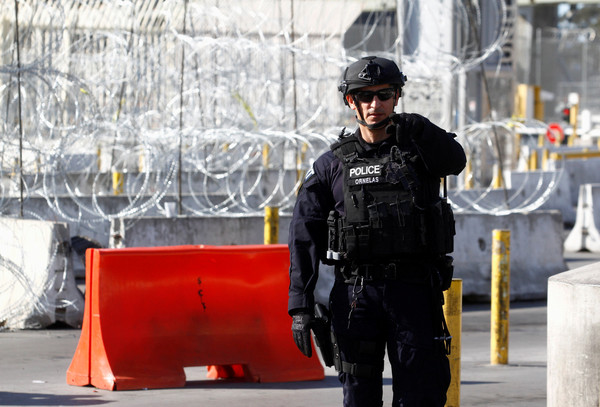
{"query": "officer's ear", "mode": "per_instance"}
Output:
(397, 96)
(350, 101)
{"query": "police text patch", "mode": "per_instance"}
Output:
(365, 174)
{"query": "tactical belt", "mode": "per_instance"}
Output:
(404, 271)
(377, 272)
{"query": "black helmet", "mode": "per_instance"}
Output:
(370, 71)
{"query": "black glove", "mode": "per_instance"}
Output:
(406, 126)
(301, 330)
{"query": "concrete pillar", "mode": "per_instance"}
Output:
(574, 338)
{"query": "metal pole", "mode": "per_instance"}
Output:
(476, 35)
(21, 186)
(400, 42)
(180, 153)
(294, 79)
(500, 296)
(453, 314)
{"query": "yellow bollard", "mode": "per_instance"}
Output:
(573, 113)
(271, 225)
(533, 160)
(453, 314)
(299, 160)
(265, 155)
(538, 104)
(541, 140)
(141, 162)
(521, 100)
(117, 182)
(500, 296)
(498, 181)
(468, 174)
(545, 158)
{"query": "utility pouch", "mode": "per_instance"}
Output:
(445, 268)
(449, 225)
(355, 242)
(440, 227)
(447, 220)
(321, 327)
(396, 229)
(334, 253)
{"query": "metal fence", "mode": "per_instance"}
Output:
(219, 105)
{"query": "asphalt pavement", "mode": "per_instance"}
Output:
(34, 364)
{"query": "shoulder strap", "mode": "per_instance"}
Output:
(347, 148)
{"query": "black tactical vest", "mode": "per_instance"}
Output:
(386, 218)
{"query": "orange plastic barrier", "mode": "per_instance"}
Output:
(150, 312)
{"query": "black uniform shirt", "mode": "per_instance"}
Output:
(323, 191)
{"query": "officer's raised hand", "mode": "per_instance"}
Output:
(301, 322)
(406, 125)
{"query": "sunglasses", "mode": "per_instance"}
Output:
(367, 95)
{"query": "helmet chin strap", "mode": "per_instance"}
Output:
(374, 126)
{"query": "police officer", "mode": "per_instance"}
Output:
(371, 206)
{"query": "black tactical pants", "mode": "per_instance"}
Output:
(405, 318)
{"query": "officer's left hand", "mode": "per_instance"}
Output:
(301, 330)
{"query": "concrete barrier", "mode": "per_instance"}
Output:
(579, 172)
(536, 243)
(551, 187)
(585, 234)
(574, 338)
(536, 252)
(38, 286)
(183, 230)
